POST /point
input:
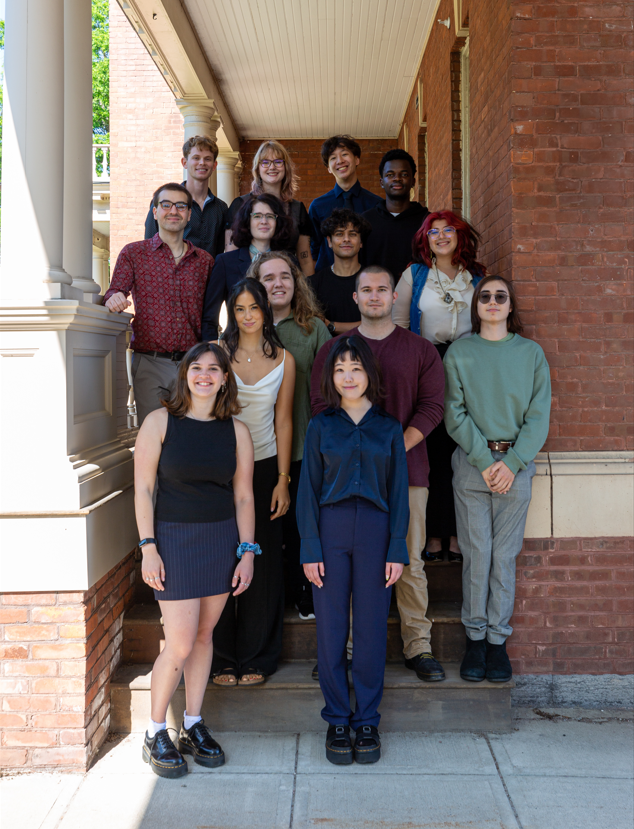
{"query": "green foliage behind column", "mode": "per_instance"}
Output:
(100, 71)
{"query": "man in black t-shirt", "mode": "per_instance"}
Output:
(345, 232)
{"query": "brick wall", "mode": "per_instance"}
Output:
(574, 607)
(314, 177)
(146, 135)
(58, 652)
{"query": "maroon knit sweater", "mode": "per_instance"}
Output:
(414, 384)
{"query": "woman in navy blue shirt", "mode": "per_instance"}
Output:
(353, 514)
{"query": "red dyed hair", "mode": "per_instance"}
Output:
(466, 249)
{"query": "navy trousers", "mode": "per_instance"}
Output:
(355, 537)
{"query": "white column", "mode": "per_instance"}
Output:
(33, 152)
(200, 118)
(226, 170)
(77, 250)
(100, 273)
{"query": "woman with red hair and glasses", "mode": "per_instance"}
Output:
(434, 300)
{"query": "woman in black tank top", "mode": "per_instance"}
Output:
(203, 460)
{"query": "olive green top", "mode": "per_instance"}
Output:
(304, 348)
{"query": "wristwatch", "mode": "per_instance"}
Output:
(145, 541)
(331, 328)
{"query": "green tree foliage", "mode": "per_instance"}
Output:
(100, 71)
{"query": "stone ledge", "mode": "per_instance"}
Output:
(575, 690)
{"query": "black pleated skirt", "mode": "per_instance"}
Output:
(199, 559)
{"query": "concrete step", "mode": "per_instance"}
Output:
(143, 634)
(290, 701)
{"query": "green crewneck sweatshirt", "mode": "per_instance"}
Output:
(497, 391)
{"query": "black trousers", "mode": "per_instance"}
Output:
(441, 514)
(295, 581)
(248, 635)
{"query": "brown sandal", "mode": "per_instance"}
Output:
(232, 678)
(259, 677)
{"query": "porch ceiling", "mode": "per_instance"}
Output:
(311, 68)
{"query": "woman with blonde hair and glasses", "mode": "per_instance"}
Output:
(273, 172)
(301, 329)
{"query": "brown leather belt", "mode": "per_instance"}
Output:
(500, 445)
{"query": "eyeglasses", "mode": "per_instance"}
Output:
(179, 205)
(434, 233)
(500, 297)
(270, 217)
(276, 162)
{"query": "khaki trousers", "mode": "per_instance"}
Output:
(411, 588)
(152, 378)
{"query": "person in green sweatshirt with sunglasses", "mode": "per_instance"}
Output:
(497, 409)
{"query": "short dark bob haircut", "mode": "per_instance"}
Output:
(231, 336)
(466, 250)
(285, 236)
(340, 218)
(397, 155)
(172, 185)
(346, 142)
(513, 321)
(374, 269)
(180, 400)
(359, 351)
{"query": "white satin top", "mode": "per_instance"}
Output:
(258, 413)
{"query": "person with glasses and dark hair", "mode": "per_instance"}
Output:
(248, 637)
(497, 409)
(341, 155)
(167, 277)
(260, 225)
(274, 172)
(334, 285)
(353, 515)
(396, 220)
(205, 227)
(434, 297)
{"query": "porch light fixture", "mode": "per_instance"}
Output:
(446, 22)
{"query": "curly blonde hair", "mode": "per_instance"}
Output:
(304, 304)
(290, 182)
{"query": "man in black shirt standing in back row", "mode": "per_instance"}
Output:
(395, 220)
(206, 226)
(345, 233)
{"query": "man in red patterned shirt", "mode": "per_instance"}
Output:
(167, 277)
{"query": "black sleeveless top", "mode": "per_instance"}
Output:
(195, 471)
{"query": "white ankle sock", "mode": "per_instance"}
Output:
(154, 727)
(189, 721)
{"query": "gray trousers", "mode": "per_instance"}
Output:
(490, 535)
(152, 378)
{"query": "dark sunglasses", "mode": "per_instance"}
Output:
(500, 297)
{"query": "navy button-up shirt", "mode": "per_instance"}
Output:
(344, 459)
(321, 208)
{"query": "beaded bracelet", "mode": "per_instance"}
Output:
(245, 547)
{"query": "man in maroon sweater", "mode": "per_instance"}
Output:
(414, 385)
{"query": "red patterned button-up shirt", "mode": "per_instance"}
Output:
(168, 298)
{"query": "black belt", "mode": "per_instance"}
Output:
(177, 356)
(500, 445)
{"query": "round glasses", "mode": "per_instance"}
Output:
(276, 162)
(434, 233)
(270, 217)
(499, 296)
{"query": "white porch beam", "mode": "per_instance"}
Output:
(166, 31)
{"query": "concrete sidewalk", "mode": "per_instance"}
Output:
(557, 769)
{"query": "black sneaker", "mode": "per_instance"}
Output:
(162, 755)
(367, 744)
(473, 665)
(498, 664)
(199, 742)
(305, 606)
(339, 746)
(426, 667)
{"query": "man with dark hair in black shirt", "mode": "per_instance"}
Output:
(396, 220)
(345, 232)
(206, 227)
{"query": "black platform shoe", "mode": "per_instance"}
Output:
(199, 742)
(426, 667)
(474, 664)
(338, 745)
(162, 755)
(498, 664)
(367, 744)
